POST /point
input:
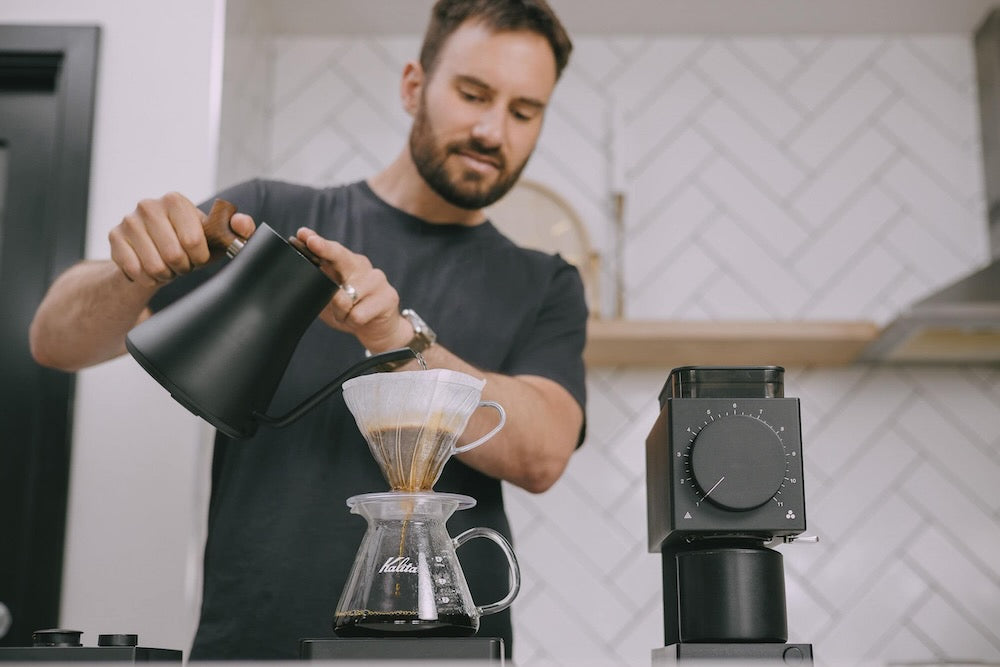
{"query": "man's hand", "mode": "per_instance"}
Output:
(366, 305)
(164, 238)
(89, 309)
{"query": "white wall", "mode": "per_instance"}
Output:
(134, 519)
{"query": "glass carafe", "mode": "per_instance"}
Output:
(406, 579)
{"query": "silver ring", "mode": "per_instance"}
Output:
(351, 292)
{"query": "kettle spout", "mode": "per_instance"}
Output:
(369, 365)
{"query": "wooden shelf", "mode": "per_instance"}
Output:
(738, 343)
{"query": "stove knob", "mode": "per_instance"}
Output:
(738, 463)
(5, 619)
(118, 640)
(56, 637)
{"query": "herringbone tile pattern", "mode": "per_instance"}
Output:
(767, 178)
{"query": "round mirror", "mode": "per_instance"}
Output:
(534, 216)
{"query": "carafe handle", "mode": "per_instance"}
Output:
(503, 420)
(514, 572)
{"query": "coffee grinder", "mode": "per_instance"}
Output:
(724, 481)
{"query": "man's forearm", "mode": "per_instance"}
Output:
(542, 429)
(85, 315)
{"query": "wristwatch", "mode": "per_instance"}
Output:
(423, 335)
(423, 338)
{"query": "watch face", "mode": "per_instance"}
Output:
(423, 335)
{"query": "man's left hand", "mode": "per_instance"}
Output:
(366, 305)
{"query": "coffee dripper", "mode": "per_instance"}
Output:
(406, 579)
(411, 421)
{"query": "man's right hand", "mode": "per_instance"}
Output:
(164, 238)
(89, 309)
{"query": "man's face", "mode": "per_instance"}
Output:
(480, 112)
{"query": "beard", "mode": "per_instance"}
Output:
(469, 189)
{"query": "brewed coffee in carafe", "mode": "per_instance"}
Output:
(413, 419)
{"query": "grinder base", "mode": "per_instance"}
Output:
(759, 654)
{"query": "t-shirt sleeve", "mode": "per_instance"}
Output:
(553, 347)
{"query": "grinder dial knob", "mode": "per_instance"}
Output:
(738, 462)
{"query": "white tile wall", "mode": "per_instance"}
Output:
(767, 178)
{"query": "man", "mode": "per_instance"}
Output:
(414, 236)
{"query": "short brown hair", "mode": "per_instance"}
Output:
(498, 15)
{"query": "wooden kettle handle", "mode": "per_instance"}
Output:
(216, 226)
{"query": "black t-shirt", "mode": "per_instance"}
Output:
(281, 539)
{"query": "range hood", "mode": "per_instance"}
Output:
(961, 322)
(958, 324)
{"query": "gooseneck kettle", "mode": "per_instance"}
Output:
(222, 349)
